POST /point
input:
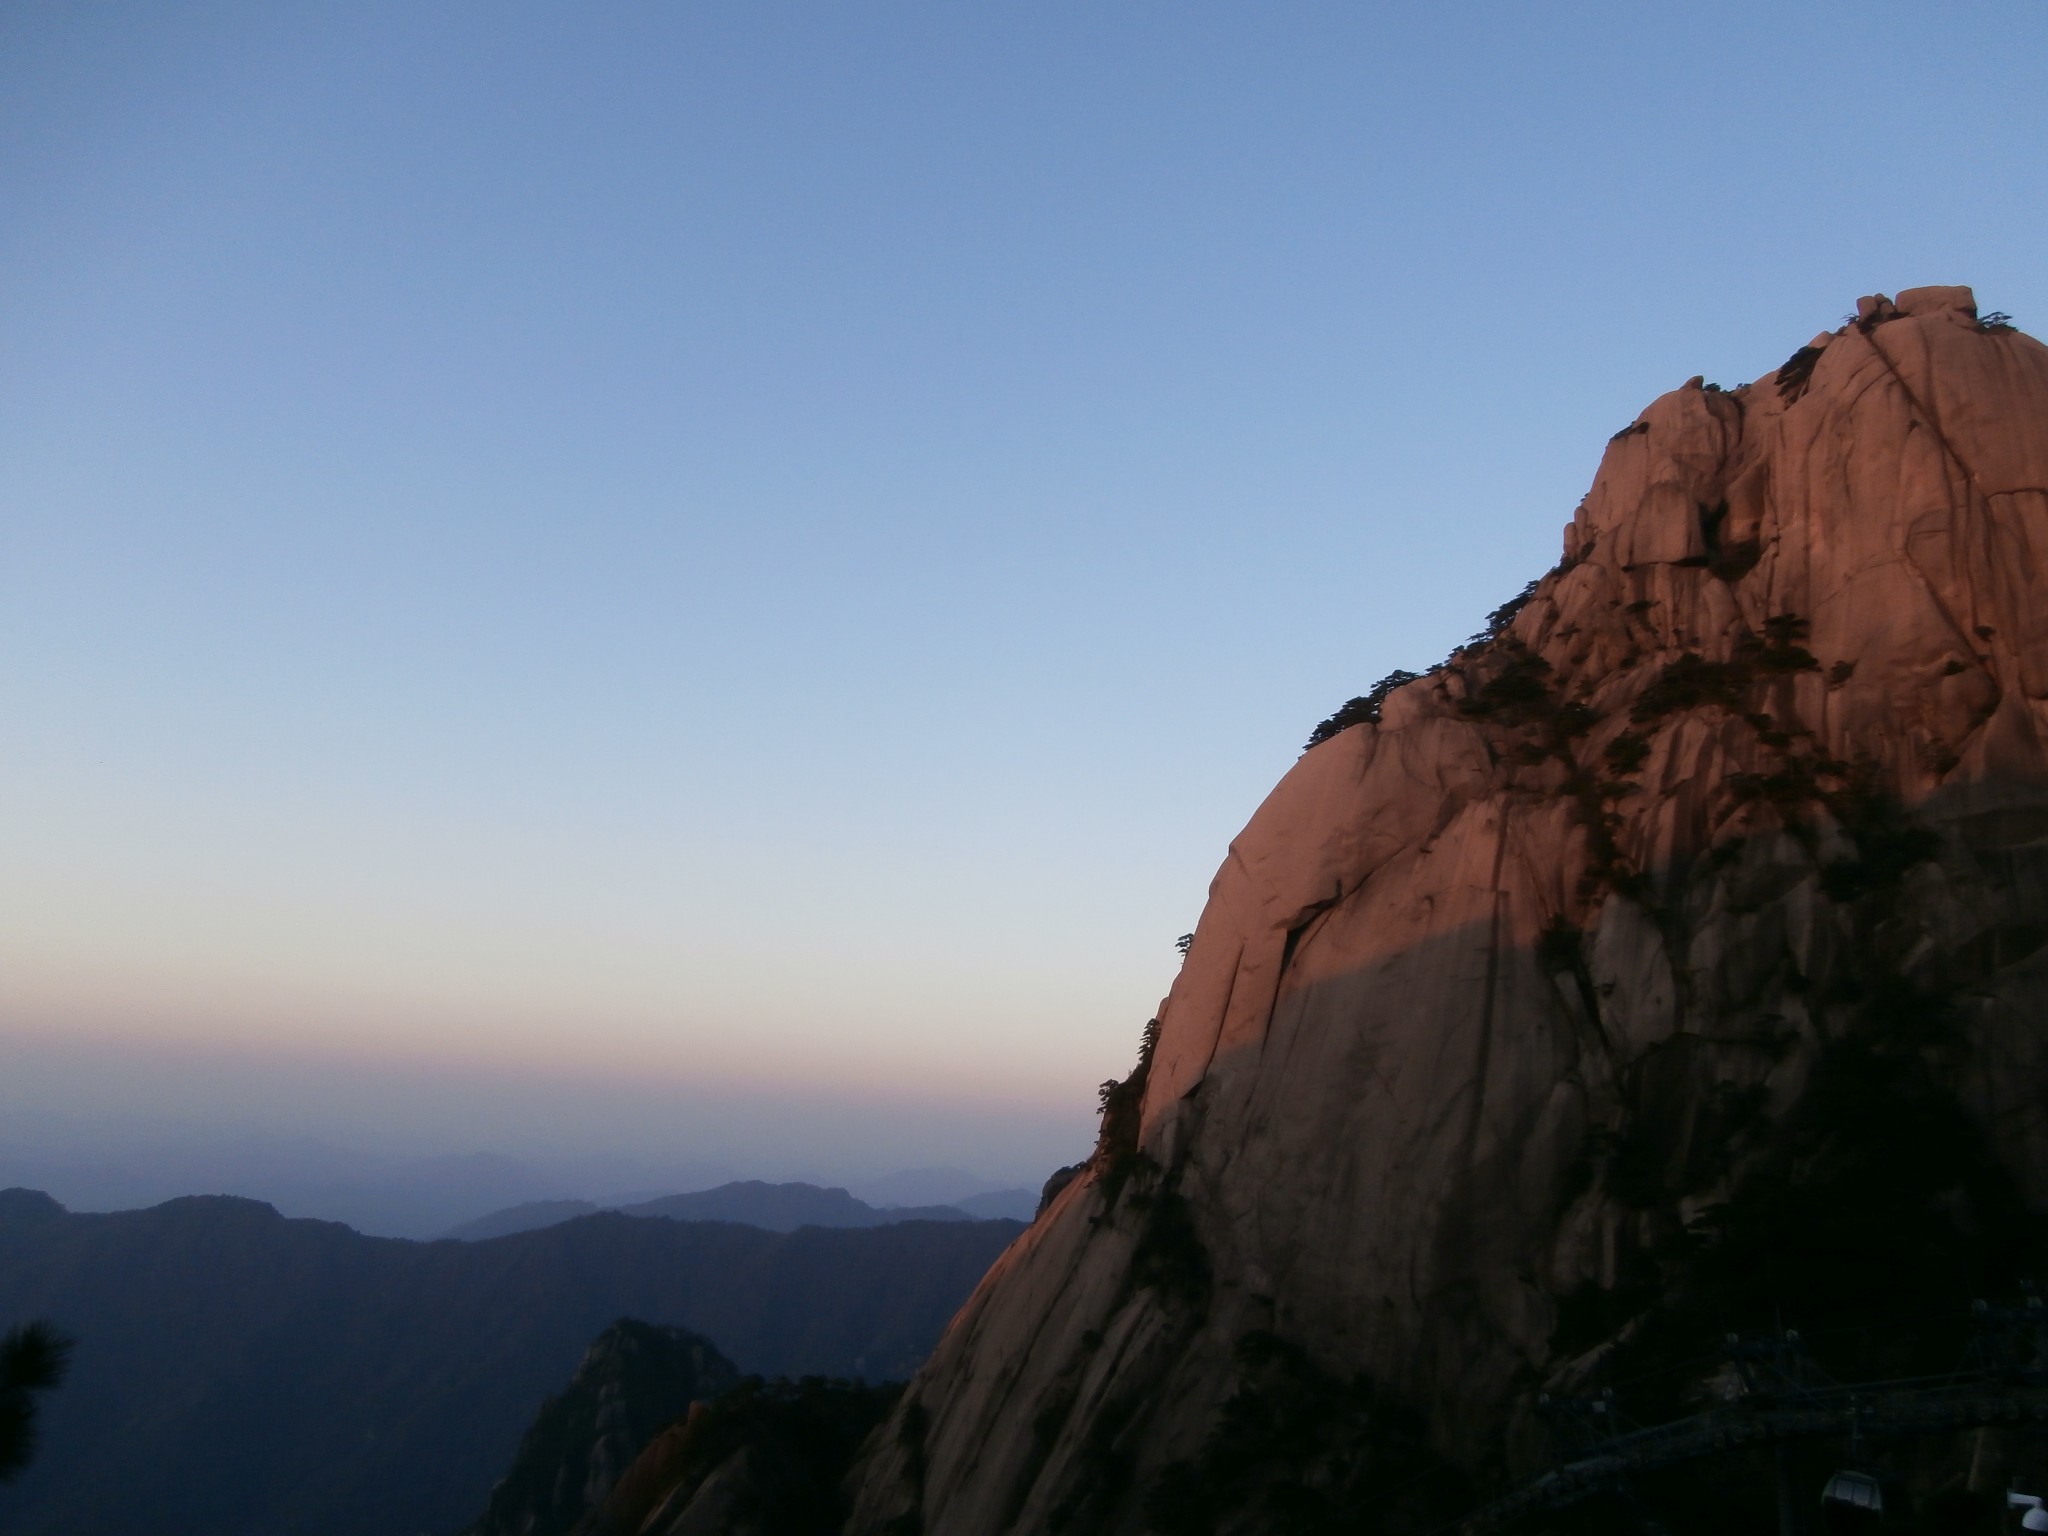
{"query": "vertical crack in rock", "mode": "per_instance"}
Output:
(1496, 936)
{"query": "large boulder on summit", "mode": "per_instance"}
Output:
(1667, 962)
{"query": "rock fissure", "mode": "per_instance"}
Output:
(1495, 937)
(1930, 415)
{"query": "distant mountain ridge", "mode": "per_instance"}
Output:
(379, 1195)
(527, 1216)
(786, 1207)
(244, 1374)
(1002, 1205)
(754, 1203)
(751, 1202)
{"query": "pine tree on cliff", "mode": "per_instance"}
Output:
(33, 1358)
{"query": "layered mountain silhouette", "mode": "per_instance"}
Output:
(380, 1194)
(773, 1207)
(239, 1372)
(527, 1216)
(1000, 1205)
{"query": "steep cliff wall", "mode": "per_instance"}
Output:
(1565, 1005)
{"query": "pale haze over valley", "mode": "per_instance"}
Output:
(595, 602)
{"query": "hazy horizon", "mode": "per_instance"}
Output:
(710, 585)
(415, 1158)
(308, 1122)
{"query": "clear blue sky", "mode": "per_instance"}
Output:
(759, 554)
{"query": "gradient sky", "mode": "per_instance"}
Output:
(754, 557)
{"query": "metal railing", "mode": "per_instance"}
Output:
(1780, 1395)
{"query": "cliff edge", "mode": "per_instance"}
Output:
(1668, 960)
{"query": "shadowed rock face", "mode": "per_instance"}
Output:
(1508, 1010)
(767, 1459)
(634, 1381)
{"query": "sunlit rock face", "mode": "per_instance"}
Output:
(1497, 995)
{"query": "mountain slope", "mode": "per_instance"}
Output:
(238, 1372)
(1669, 959)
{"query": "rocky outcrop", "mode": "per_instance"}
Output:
(1669, 957)
(768, 1459)
(634, 1380)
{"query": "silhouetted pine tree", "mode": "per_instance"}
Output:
(33, 1358)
